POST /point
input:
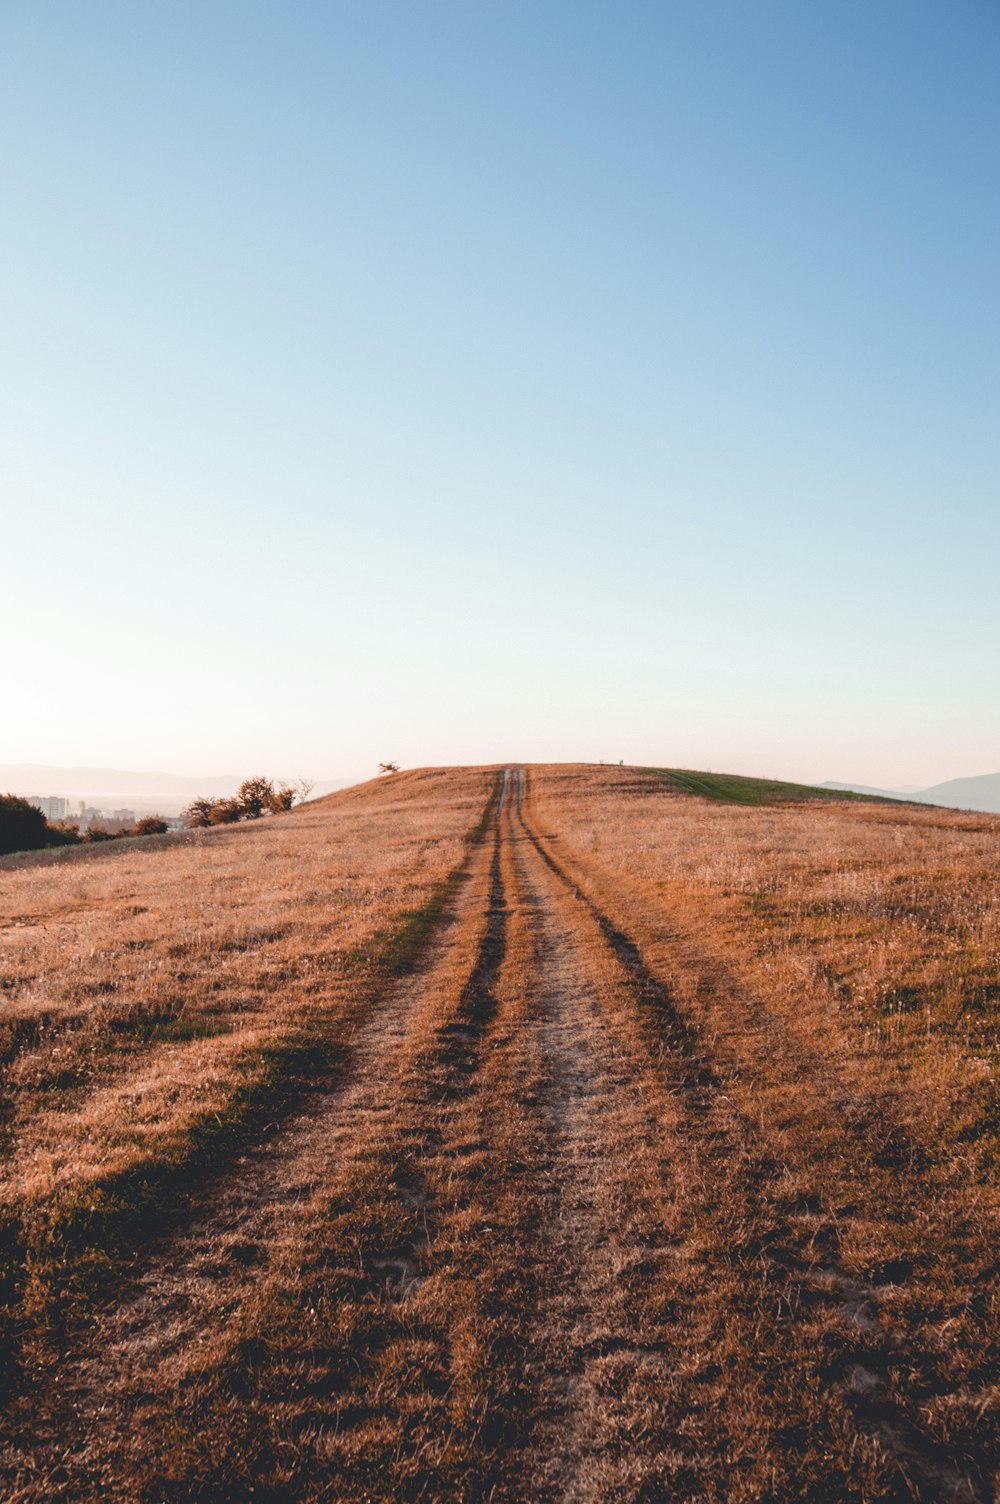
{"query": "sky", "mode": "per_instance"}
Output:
(460, 382)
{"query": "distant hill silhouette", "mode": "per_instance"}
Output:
(46, 778)
(980, 793)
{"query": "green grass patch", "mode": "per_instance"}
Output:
(734, 788)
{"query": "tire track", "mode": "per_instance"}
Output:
(431, 1421)
(477, 1004)
(603, 1363)
(800, 1271)
(187, 1301)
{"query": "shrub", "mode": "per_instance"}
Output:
(255, 795)
(225, 812)
(150, 825)
(97, 833)
(22, 826)
(198, 814)
(62, 833)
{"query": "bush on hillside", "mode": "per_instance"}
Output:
(62, 833)
(225, 812)
(255, 795)
(22, 826)
(198, 814)
(150, 825)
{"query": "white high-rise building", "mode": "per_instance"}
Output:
(51, 806)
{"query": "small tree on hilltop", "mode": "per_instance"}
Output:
(388, 767)
(254, 796)
(303, 788)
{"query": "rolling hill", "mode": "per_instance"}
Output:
(555, 1133)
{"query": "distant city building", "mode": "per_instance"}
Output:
(51, 807)
(84, 815)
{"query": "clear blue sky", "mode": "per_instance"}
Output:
(455, 382)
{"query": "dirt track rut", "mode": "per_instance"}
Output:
(732, 1218)
(531, 1250)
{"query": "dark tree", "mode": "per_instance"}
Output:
(254, 797)
(198, 814)
(22, 826)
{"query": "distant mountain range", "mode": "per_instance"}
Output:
(167, 793)
(981, 793)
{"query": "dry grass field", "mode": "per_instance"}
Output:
(554, 1136)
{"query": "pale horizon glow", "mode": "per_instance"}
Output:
(463, 384)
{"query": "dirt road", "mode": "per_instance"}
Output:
(531, 1242)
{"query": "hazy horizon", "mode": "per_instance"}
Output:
(433, 383)
(148, 783)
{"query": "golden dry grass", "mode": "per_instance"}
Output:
(835, 968)
(150, 997)
(872, 930)
(650, 1157)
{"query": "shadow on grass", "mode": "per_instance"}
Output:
(58, 1257)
